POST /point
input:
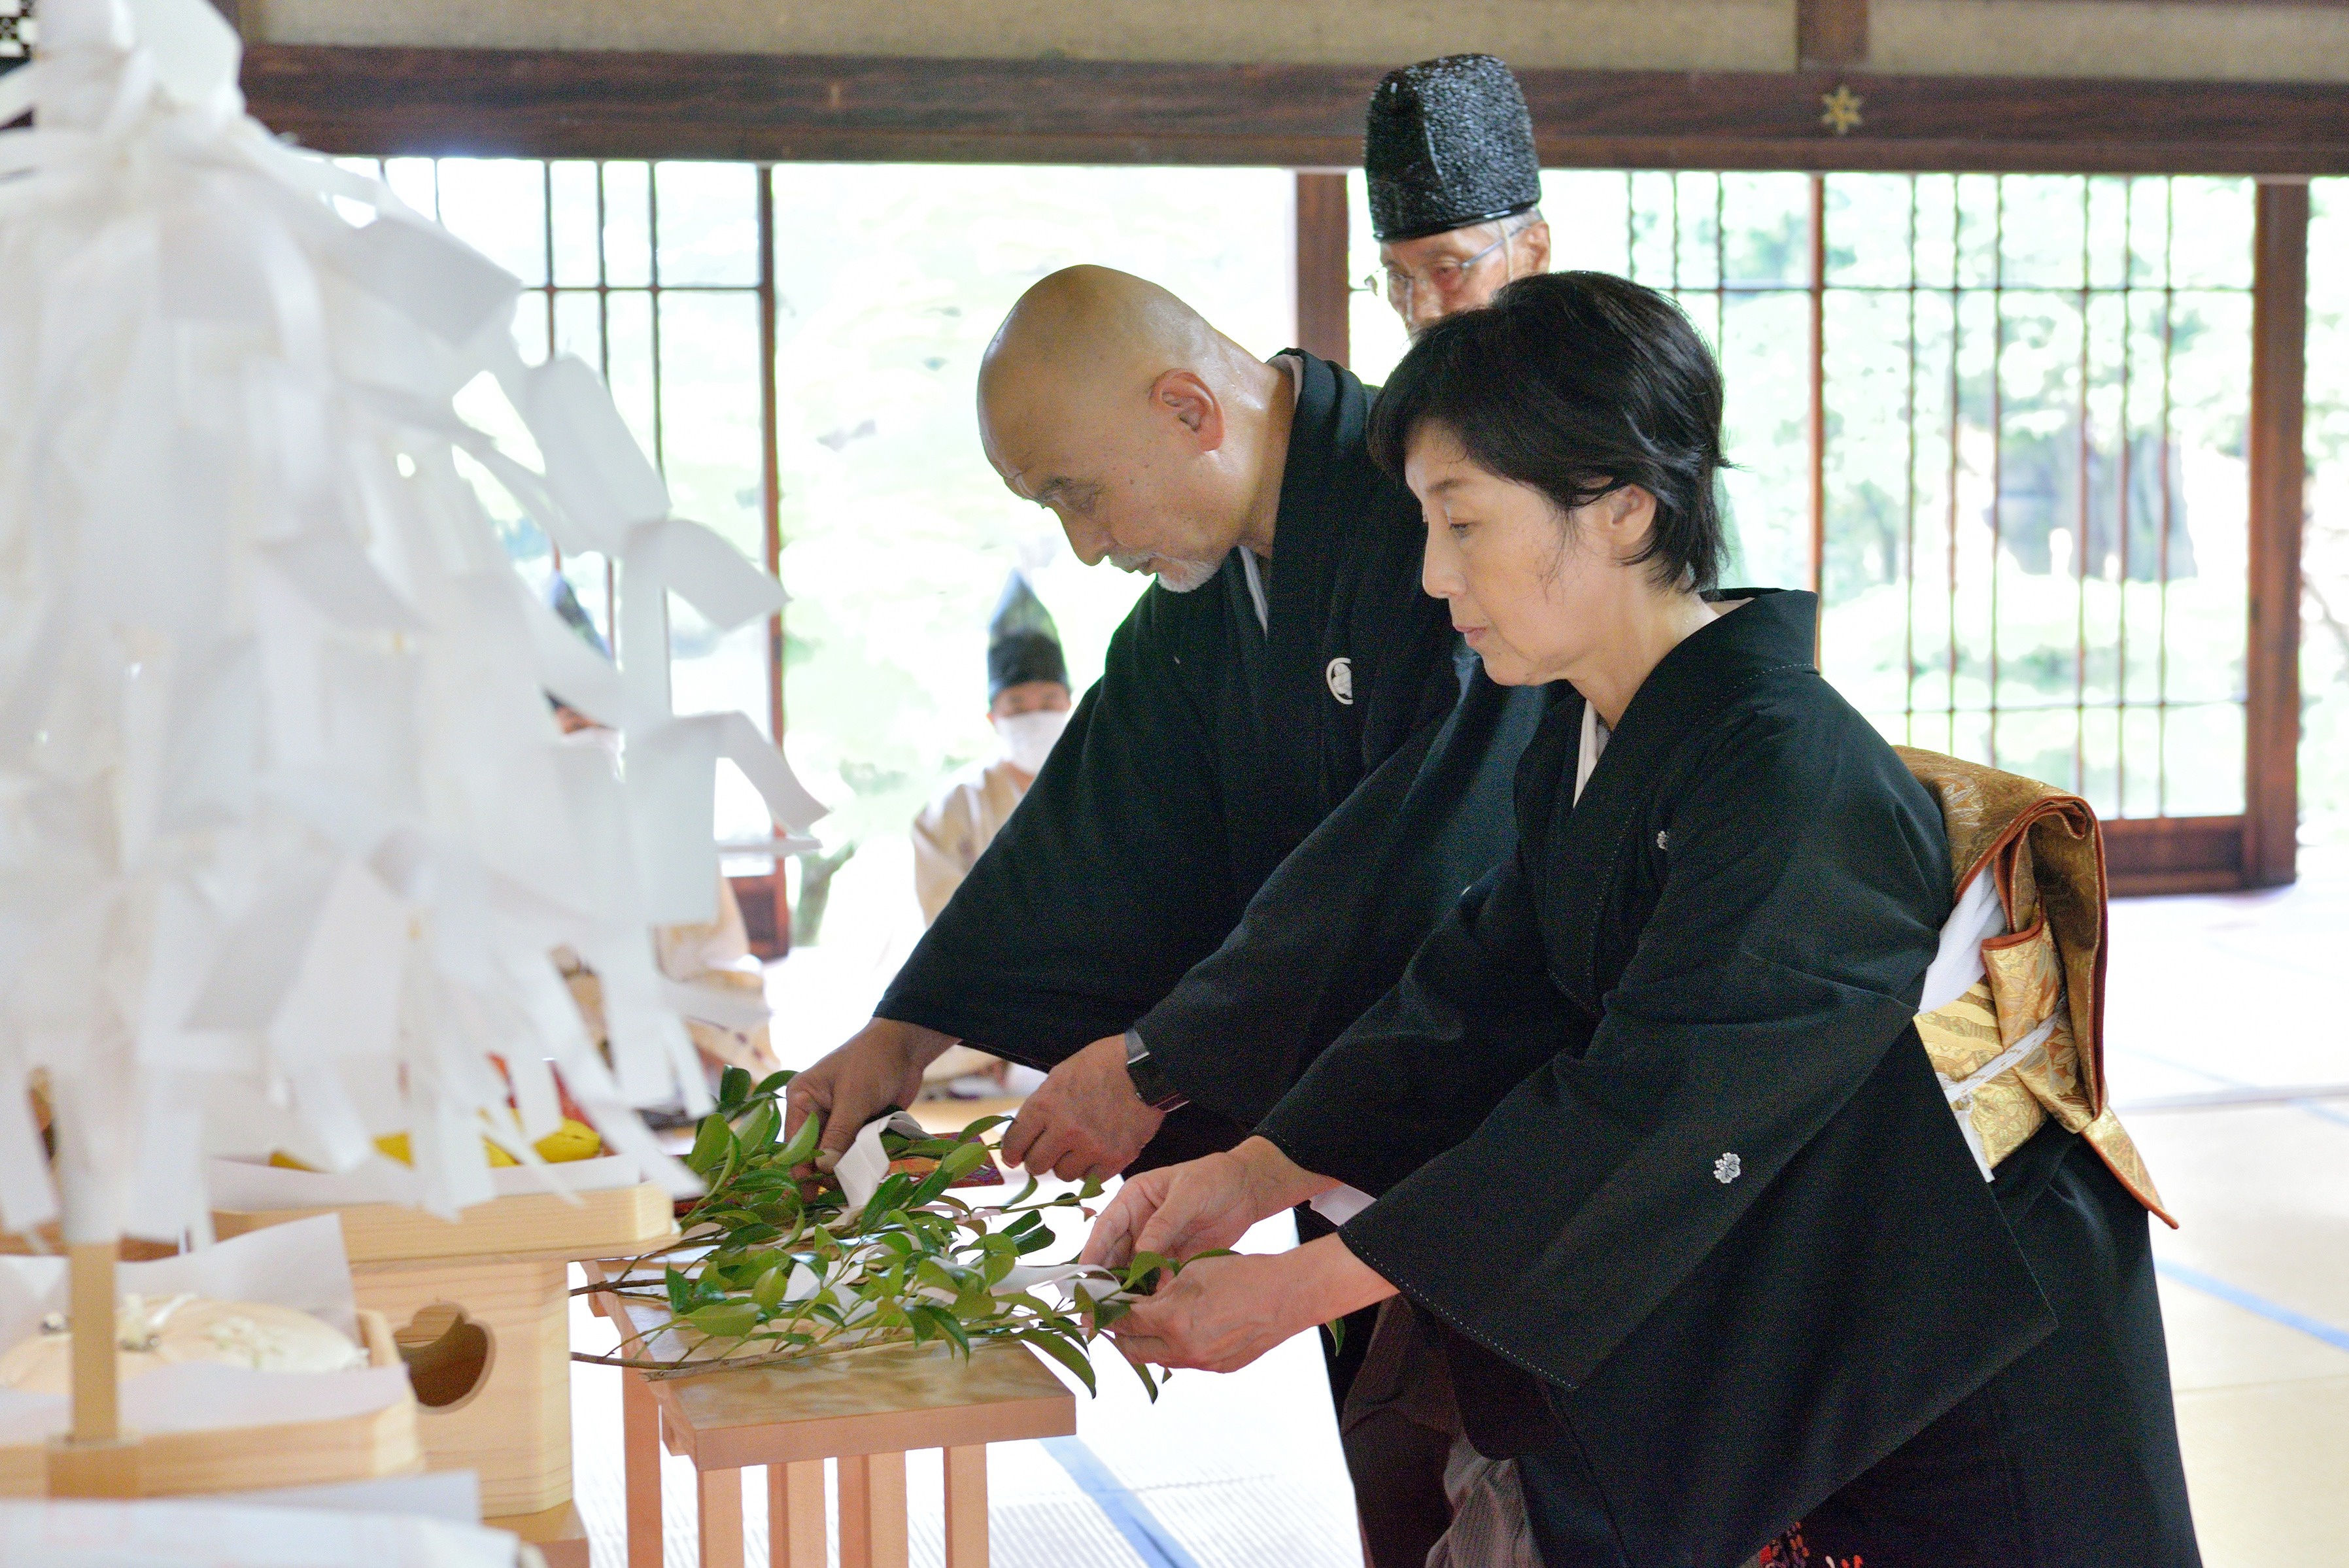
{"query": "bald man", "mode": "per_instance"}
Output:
(1285, 658)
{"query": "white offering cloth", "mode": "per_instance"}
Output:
(286, 832)
(177, 1534)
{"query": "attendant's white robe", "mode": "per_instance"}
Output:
(949, 835)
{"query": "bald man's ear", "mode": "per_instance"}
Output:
(1194, 405)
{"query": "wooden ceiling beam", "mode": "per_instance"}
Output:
(598, 104)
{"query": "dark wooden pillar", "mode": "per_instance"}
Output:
(1321, 301)
(2278, 468)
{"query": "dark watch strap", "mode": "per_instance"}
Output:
(1149, 1081)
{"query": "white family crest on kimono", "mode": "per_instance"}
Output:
(286, 836)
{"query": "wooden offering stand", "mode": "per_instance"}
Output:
(98, 1459)
(865, 1410)
(480, 1307)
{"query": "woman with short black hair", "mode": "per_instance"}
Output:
(1657, 1154)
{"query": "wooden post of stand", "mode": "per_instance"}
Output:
(97, 1408)
(96, 1460)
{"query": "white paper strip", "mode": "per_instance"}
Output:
(287, 831)
(865, 1164)
(1341, 1204)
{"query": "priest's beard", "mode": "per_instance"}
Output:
(1173, 575)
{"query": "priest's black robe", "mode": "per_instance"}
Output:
(1653, 1137)
(1212, 747)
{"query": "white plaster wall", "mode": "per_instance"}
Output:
(1671, 34)
(2088, 38)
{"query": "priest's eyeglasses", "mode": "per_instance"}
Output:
(1446, 277)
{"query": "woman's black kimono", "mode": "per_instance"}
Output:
(1648, 1121)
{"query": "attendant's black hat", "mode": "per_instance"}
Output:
(1449, 143)
(1022, 644)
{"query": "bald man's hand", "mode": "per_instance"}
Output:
(880, 1067)
(1084, 1120)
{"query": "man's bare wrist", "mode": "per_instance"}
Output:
(1337, 1281)
(919, 1046)
(1277, 1181)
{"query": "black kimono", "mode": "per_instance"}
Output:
(1654, 1139)
(1213, 747)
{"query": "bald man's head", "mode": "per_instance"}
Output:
(1147, 432)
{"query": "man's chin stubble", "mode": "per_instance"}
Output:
(1186, 576)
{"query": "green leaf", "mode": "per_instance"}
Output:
(733, 1086)
(1060, 1350)
(774, 1083)
(712, 1144)
(801, 1148)
(933, 1274)
(1336, 1329)
(681, 1292)
(769, 1288)
(942, 1322)
(889, 1194)
(1089, 1191)
(759, 1128)
(965, 1160)
(927, 1189)
(1023, 1225)
(725, 1320)
(1035, 1242)
(984, 1125)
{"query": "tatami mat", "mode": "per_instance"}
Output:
(2224, 1037)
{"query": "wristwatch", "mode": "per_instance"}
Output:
(1149, 1081)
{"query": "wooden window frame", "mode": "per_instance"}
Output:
(780, 108)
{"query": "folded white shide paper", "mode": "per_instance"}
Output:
(285, 827)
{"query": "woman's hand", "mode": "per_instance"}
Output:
(1197, 1207)
(1220, 1313)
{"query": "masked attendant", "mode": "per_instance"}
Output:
(1028, 705)
(1654, 1145)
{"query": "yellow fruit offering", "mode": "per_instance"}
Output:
(572, 1141)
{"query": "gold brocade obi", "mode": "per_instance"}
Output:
(2024, 1042)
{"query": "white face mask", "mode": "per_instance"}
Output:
(1028, 738)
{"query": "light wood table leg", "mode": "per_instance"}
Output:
(872, 1512)
(641, 1469)
(795, 1527)
(722, 1518)
(966, 1507)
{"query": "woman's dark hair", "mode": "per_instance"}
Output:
(1576, 383)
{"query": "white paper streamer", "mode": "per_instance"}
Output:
(286, 832)
(865, 1164)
